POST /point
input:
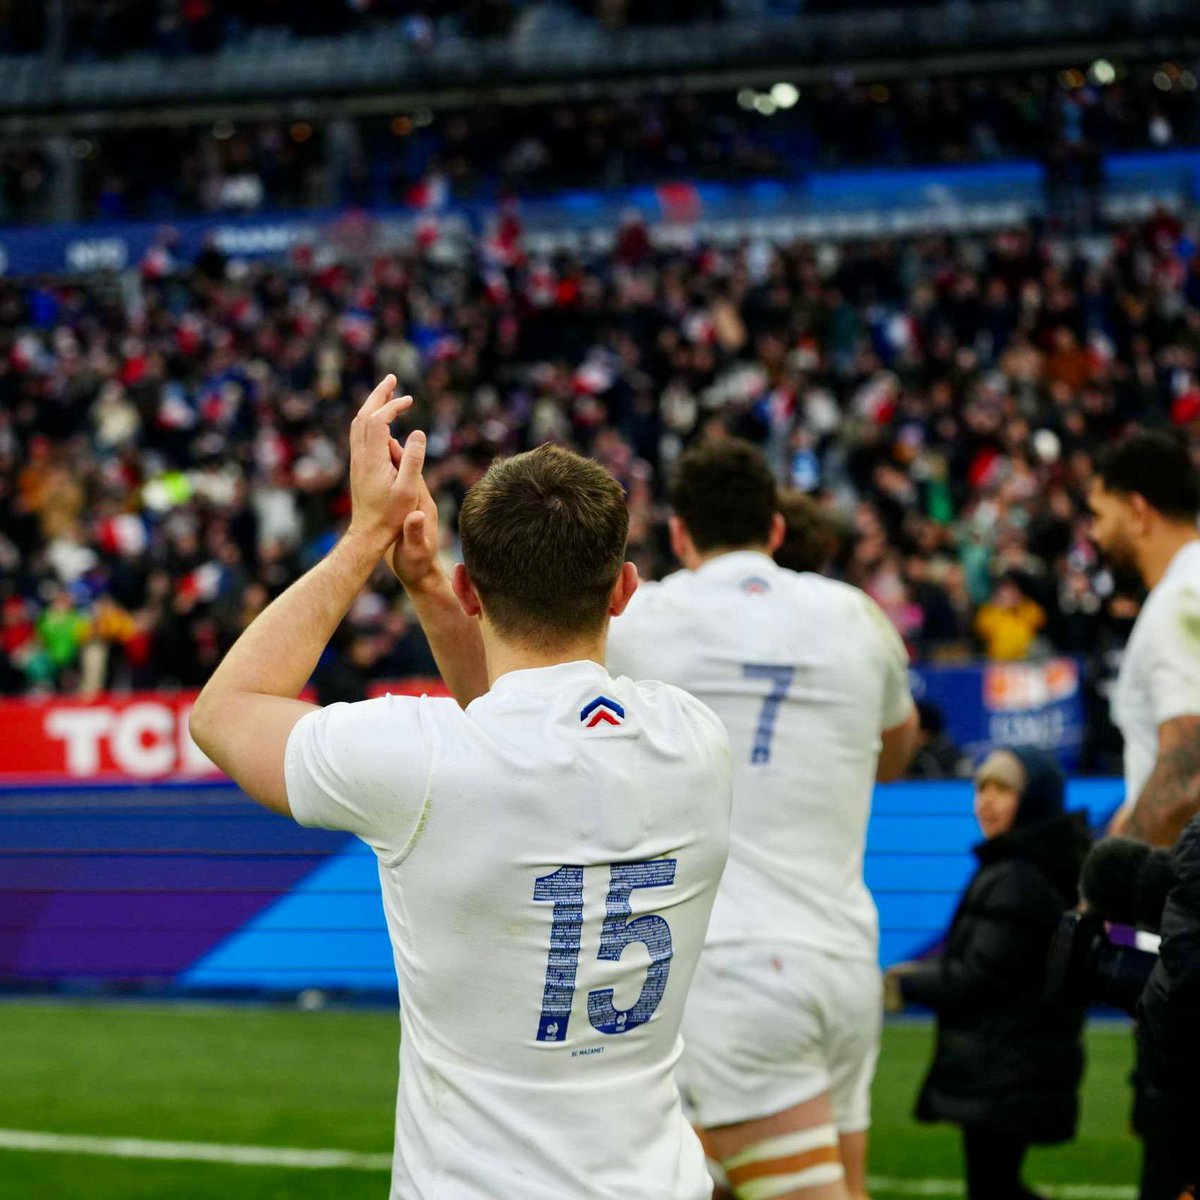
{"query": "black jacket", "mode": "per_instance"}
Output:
(1169, 1027)
(1006, 1061)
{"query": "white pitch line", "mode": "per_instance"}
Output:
(955, 1187)
(243, 1156)
(346, 1160)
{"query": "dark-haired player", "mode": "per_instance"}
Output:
(548, 855)
(1144, 500)
(782, 1027)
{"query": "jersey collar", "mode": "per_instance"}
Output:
(537, 679)
(736, 562)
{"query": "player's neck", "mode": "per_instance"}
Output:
(697, 558)
(503, 657)
(1158, 551)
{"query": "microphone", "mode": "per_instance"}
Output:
(1127, 882)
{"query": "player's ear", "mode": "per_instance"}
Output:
(1140, 511)
(682, 545)
(464, 589)
(777, 534)
(623, 589)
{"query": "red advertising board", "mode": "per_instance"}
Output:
(140, 736)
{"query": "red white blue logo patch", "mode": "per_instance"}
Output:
(602, 711)
(755, 586)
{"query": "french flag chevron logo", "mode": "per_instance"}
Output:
(602, 710)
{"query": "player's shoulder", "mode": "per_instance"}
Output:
(835, 599)
(659, 593)
(655, 606)
(828, 591)
(658, 701)
(382, 714)
(1172, 610)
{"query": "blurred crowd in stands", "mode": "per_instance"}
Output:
(110, 28)
(173, 446)
(1056, 117)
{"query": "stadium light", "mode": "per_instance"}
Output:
(765, 105)
(1103, 72)
(746, 98)
(785, 95)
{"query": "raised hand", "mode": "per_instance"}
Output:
(414, 555)
(380, 496)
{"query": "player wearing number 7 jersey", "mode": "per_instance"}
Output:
(548, 852)
(781, 1030)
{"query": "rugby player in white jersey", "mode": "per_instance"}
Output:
(1144, 501)
(781, 1031)
(548, 854)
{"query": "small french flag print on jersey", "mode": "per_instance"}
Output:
(755, 586)
(602, 711)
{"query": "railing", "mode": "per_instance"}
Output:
(821, 205)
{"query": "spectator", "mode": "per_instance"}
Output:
(175, 444)
(1007, 1065)
(1009, 622)
(811, 538)
(61, 630)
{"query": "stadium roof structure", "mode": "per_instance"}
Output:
(551, 54)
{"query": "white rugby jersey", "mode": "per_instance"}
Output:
(1160, 671)
(805, 673)
(548, 859)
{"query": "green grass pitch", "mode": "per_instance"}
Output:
(278, 1077)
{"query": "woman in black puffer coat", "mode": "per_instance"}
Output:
(1007, 1065)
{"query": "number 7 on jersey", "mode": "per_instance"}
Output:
(564, 889)
(780, 679)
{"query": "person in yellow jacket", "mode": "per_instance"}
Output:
(1008, 623)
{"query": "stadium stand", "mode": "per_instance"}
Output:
(171, 451)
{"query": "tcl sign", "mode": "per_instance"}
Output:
(133, 737)
(147, 739)
(142, 736)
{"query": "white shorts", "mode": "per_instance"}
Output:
(766, 1028)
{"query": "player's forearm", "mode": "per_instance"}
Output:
(279, 651)
(1169, 800)
(899, 746)
(454, 638)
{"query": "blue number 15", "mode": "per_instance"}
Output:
(564, 888)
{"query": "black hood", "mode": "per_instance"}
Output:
(1045, 787)
(1056, 845)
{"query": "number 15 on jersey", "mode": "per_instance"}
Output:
(564, 889)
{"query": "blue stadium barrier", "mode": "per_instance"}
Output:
(194, 889)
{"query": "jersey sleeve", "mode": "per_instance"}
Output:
(363, 768)
(893, 657)
(1174, 659)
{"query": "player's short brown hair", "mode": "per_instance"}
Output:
(543, 540)
(725, 495)
(811, 536)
